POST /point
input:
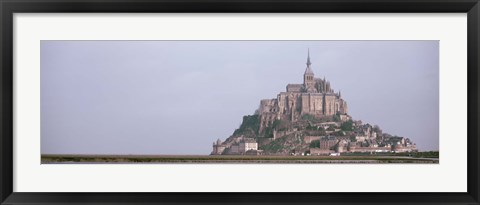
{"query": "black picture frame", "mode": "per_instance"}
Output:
(9, 7)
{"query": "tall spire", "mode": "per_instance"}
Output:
(308, 58)
(308, 70)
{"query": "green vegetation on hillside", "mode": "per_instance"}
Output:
(274, 146)
(308, 117)
(310, 127)
(268, 132)
(250, 126)
(336, 117)
(315, 144)
(347, 126)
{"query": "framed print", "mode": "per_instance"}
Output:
(239, 102)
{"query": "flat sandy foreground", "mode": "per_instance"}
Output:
(230, 159)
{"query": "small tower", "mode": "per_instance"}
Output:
(308, 76)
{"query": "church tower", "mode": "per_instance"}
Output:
(308, 76)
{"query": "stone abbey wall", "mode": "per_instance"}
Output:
(314, 97)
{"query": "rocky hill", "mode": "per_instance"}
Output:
(309, 118)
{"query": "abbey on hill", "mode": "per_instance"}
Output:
(314, 97)
(309, 118)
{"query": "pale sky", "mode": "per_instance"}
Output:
(177, 97)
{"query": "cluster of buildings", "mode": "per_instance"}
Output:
(317, 99)
(365, 141)
(240, 146)
(324, 145)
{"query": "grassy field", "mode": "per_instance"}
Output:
(220, 159)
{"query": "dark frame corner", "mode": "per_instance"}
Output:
(9, 7)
